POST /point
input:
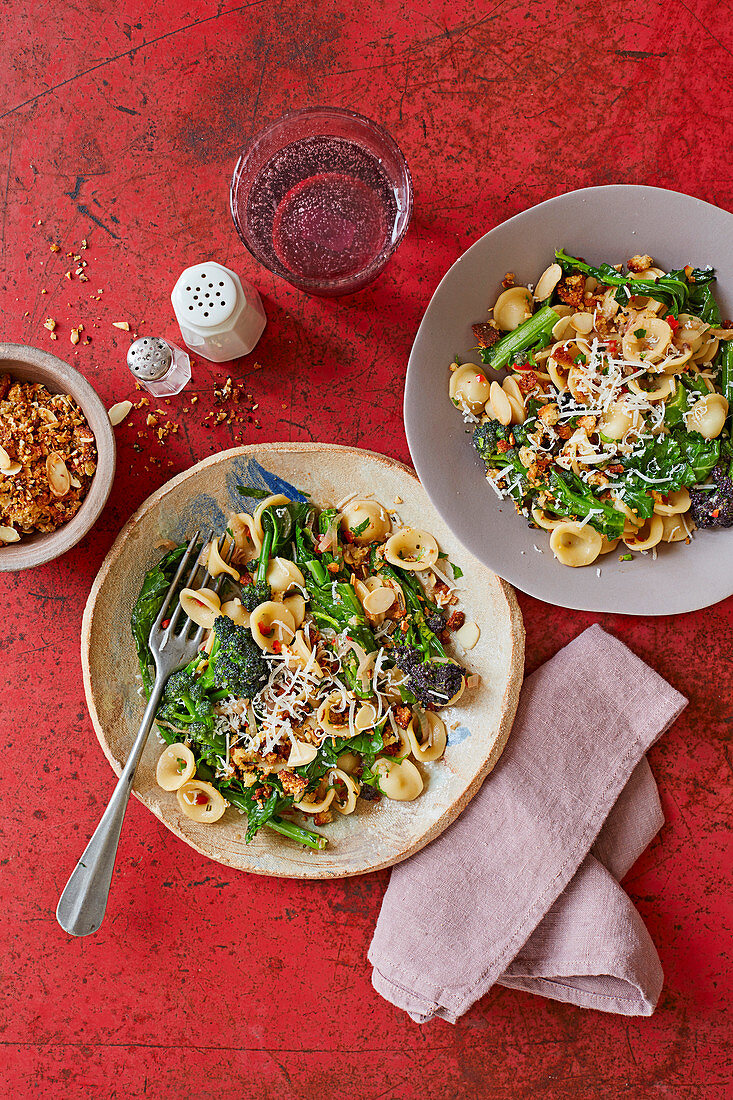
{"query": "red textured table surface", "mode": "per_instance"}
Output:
(121, 123)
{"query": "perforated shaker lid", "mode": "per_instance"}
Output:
(149, 358)
(205, 296)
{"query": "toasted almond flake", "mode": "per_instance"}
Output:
(59, 479)
(11, 470)
(5, 459)
(119, 411)
(9, 534)
(121, 324)
(468, 635)
(50, 324)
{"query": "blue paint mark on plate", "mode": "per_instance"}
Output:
(455, 737)
(202, 513)
(247, 471)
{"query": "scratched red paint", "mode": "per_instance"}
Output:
(121, 123)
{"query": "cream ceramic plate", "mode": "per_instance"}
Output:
(599, 223)
(376, 835)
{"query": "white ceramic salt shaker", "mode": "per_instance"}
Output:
(220, 316)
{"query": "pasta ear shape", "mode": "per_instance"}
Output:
(176, 765)
(236, 611)
(346, 790)
(201, 605)
(268, 502)
(468, 388)
(272, 626)
(216, 564)
(411, 549)
(401, 782)
(708, 416)
(512, 308)
(201, 802)
(575, 545)
(356, 513)
(427, 736)
(282, 575)
(647, 535)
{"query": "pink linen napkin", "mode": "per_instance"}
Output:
(523, 889)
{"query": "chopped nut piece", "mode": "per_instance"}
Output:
(639, 263)
(75, 334)
(55, 247)
(50, 324)
(120, 324)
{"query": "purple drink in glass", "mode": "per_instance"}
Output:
(322, 198)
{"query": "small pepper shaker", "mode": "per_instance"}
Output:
(158, 365)
(220, 316)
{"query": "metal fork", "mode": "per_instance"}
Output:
(82, 905)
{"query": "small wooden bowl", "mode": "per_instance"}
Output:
(33, 365)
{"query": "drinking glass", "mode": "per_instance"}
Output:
(322, 198)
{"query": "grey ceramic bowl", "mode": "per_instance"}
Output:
(599, 223)
(34, 365)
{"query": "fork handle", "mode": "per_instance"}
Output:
(82, 905)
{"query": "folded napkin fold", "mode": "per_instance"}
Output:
(522, 890)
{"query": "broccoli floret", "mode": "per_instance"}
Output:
(239, 666)
(255, 594)
(432, 683)
(185, 701)
(486, 436)
(714, 508)
(435, 621)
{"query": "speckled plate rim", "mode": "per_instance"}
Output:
(510, 700)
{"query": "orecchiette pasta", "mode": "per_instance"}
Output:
(411, 549)
(676, 527)
(283, 575)
(512, 308)
(501, 409)
(401, 782)
(427, 736)
(708, 415)
(176, 765)
(201, 801)
(547, 282)
(647, 535)
(299, 705)
(301, 753)
(235, 610)
(356, 513)
(606, 370)
(346, 788)
(469, 388)
(202, 606)
(247, 539)
(216, 564)
(269, 502)
(673, 503)
(575, 545)
(272, 624)
(296, 606)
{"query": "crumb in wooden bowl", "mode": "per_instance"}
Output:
(48, 458)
